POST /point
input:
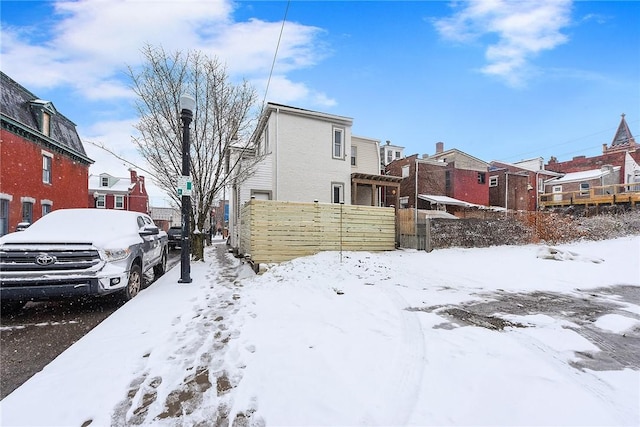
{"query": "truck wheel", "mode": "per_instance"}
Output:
(134, 283)
(160, 268)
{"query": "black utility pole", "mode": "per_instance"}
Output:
(187, 105)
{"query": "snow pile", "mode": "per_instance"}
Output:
(556, 254)
(286, 348)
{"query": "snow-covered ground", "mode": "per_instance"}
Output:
(496, 336)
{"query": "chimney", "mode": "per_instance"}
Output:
(134, 176)
(439, 147)
(388, 142)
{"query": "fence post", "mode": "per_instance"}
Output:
(427, 238)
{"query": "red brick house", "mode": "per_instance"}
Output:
(516, 186)
(451, 173)
(110, 192)
(617, 153)
(43, 164)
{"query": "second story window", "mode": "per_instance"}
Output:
(493, 181)
(46, 168)
(405, 171)
(482, 177)
(338, 143)
(354, 154)
(389, 156)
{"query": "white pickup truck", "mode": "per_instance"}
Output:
(80, 252)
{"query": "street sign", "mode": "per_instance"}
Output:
(184, 186)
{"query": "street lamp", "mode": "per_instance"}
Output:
(187, 105)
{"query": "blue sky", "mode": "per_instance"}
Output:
(500, 80)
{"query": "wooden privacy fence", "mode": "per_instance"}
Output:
(274, 231)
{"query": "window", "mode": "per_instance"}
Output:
(404, 202)
(46, 167)
(4, 217)
(100, 201)
(46, 123)
(338, 143)
(337, 192)
(493, 181)
(354, 153)
(482, 178)
(389, 156)
(119, 202)
(104, 181)
(405, 171)
(447, 181)
(46, 208)
(584, 188)
(397, 154)
(540, 185)
(261, 194)
(27, 211)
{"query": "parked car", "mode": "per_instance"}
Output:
(174, 234)
(80, 252)
(22, 226)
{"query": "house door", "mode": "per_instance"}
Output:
(557, 189)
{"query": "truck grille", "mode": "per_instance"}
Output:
(21, 258)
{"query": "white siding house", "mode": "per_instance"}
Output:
(306, 157)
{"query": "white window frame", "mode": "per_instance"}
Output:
(389, 156)
(585, 189)
(101, 201)
(104, 181)
(493, 181)
(47, 166)
(540, 185)
(405, 171)
(340, 187)
(337, 144)
(354, 156)
(404, 202)
(118, 201)
(47, 206)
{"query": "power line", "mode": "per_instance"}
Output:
(572, 141)
(102, 146)
(275, 55)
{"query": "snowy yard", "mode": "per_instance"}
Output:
(497, 336)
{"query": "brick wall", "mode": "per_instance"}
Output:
(21, 176)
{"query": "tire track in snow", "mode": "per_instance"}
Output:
(402, 389)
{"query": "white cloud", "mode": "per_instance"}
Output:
(282, 90)
(523, 30)
(92, 41)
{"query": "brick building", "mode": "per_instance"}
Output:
(623, 151)
(110, 192)
(516, 186)
(451, 173)
(43, 164)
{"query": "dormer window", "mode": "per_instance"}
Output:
(46, 123)
(104, 181)
(43, 111)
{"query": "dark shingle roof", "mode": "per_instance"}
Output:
(17, 110)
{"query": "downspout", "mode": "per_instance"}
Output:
(277, 149)
(415, 207)
(506, 192)
(537, 190)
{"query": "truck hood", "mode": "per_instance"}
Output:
(98, 227)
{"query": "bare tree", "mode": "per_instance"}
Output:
(224, 117)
